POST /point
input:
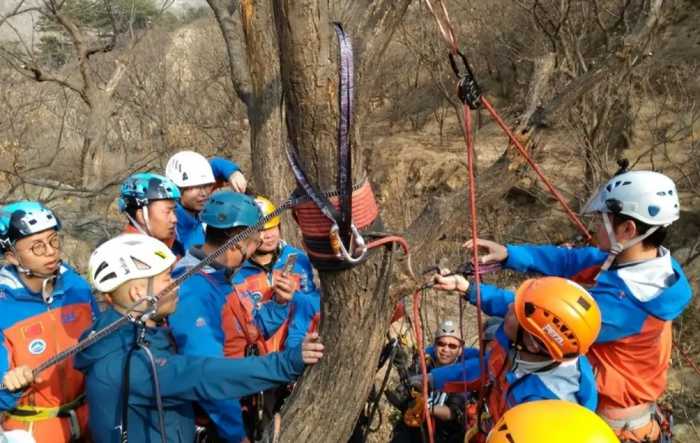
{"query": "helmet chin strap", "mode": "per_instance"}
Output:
(137, 225)
(47, 278)
(616, 247)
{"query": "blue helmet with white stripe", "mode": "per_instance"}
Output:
(142, 188)
(23, 218)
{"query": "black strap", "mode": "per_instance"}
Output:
(346, 89)
(140, 343)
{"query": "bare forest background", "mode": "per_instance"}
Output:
(94, 90)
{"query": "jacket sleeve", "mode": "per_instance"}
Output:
(8, 400)
(469, 372)
(552, 260)
(305, 307)
(270, 316)
(306, 304)
(186, 378)
(222, 168)
(494, 300)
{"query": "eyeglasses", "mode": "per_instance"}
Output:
(442, 344)
(40, 247)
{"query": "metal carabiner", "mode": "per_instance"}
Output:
(356, 241)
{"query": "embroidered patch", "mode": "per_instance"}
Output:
(37, 346)
(200, 322)
(69, 317)
(33, 330)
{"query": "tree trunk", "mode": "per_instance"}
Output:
(356, 303)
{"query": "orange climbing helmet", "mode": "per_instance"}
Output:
(560, 313)
(267, 207)
(551, 421)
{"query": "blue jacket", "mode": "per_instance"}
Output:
(573, 381)
(254, 284)
(183, 381)
(637, 301)
(190, 230)
(196, 327)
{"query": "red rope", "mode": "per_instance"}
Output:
(418, 330)
(469, 141)
(314, 224)
(571, 214)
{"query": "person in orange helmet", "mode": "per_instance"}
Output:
(538, 351)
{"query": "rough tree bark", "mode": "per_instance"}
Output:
(356, 310)
(299, 37)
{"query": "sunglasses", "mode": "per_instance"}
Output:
(442, 344)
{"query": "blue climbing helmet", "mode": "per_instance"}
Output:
(228, 209)
(23, 218)
(142, 188)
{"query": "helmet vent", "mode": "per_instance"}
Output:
(140, 265)
(584, 304)
(529, 309)
(109, 276)
(100, 268)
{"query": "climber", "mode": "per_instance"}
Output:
(538, 351)
(149, 200)
(197, 178)
(197, 323)
(277, 278)
(45, 306)
(447, 409)
(640, 289)
(135, 381)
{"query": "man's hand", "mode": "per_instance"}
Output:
(18, 378)
(496, 252)
(311, 349)
(284, 289)
(446, 282)
(238, 181)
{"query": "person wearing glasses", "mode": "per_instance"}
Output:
(196, 325)
(447, 410)
(45, 307)
(640, 288)
(538, 351)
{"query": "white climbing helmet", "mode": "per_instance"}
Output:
(127, 257)
(189, 168)
(448, 328)
(647, 196)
